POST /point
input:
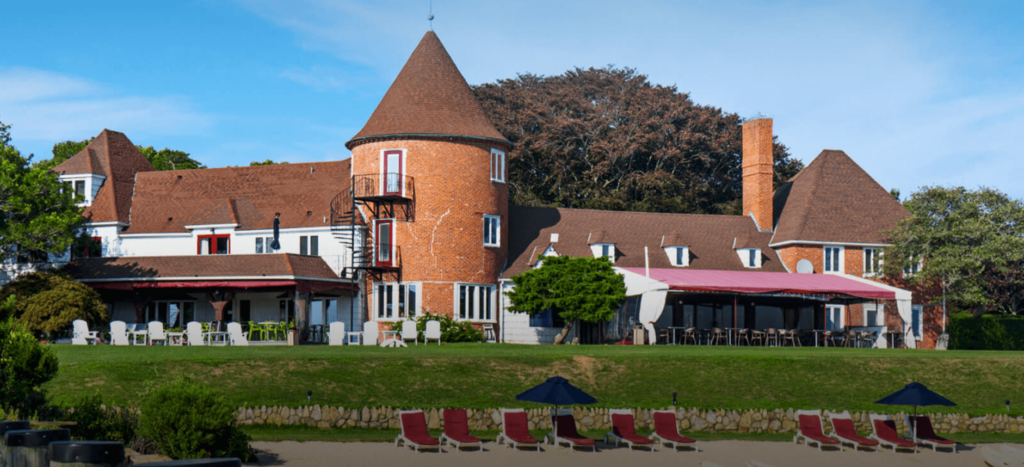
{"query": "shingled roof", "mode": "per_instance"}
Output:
(710, 238)
(112, 155)
(200, 267)
(834, 200)
(168, 201)
(429, 98)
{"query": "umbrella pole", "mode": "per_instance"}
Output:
(915, 424)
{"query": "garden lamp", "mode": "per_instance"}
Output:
(309, 395)
(674, 394)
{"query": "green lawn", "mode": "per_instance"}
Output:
(490, 375)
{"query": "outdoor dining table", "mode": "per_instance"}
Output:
(134, 335)
(354, 337)
(176, 338)
(210, 335)
(673, 329)
(822, 333)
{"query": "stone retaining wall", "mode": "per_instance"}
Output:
(754, 421)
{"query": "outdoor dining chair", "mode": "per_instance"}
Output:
(851, 338)
(257, 332)
(691, 334)
(771, 336)
(718, 335)
(743, 335)
(790, 336)
(757, 336)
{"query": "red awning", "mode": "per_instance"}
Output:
(757, 282)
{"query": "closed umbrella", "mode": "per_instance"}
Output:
(915, 394)
(556, 391)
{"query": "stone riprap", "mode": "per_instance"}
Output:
(746, 421)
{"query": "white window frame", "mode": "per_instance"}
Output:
(673, 255)
(842, 317)
(744, 255)
(878, 309)
(497, 165)
(875, 256)
(598, 250)
(413, 292)
(917, 310)
(839, 250)
(916, 268)
(549, 251)
(496, 229)
(476, 310)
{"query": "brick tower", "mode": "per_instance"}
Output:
(429, 172)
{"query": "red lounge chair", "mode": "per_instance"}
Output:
(843, 429)
(666, 431)
(566, 431)
(456, 430)
(414, 431)
(515, 430)
(624, 430)
(885, 433)
(811, 432)
(925, 434)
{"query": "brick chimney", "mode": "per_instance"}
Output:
(758, 167)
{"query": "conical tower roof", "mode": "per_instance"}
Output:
(429, 98)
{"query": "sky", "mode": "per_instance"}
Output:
(918, 93)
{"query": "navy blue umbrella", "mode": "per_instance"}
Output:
(915, 394)
(556, 391)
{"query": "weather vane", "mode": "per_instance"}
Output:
(430, 17)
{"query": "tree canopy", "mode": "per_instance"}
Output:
(164, 159)
(973, 240)
(266, 162)
(585, 289)
(606, 138)
(47, 302)
(37, 215)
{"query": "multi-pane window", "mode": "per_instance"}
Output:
(874, 314)
(833, 259)
(80, 187)
(263, 245)
(475, 302)
(914, 268)
(214, 244)
(396, 300)
(30, 256)
(872, 261)
(309, 245)
(492, 230)
(88, 247)
(497, 165)
(171, 313)
(834, 318)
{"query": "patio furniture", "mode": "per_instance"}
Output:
(666, 431)
(515, 430)
(433, 331)
(371, 333)
(851, 338)
(718, 335)
(811, 432)
(194, 333)
(257, 332)
(118, 333)
(690, 333)
(156, 332)
(414, 431)
(236, 336)
(175, 338)
(845, 432)
(409, 332)
(925, 433)
(884, 431)
(354, 338)
(624, 430)
(771, 337)
(791, 337)
(135, 331)
(742, 335)
(81, 333)
(336, 334)
(489, 334)
(757, 336)
(456, 430)
(869, 338)
(565, 431)
(827, 336)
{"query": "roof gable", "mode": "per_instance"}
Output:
(834, 200)
(429, 98)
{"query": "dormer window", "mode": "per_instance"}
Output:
(79, 187)
(86, 185)
(549, 251)
(678, 256)
(604, 250)
(751, 257)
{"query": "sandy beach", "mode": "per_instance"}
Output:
(723, 453)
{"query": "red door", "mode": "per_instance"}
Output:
(384, 254)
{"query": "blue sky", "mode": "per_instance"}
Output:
(918, 93)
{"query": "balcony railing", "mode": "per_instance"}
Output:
(380, 256)
(388, 186)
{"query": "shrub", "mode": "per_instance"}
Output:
(47, 302)
(25, 365)
(988, 332)
(188, 420)
(451, 330)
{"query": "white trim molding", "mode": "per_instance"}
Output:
(810, 242)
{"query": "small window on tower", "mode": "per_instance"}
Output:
(492, 230)
(497, 165)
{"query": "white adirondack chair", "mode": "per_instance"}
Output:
(118, 333)
(156, 332)
(409, 332)
(433, 331)
(236, 336)
(370, 333)
(336, 335)
(82, 335)
(194, 331)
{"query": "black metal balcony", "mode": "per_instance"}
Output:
(383, 187)
(379, 256)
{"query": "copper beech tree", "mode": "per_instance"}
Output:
(606, 138)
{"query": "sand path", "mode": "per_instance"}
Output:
(723, 453)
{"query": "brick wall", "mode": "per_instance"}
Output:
(758, 169)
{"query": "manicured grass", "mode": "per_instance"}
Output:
(490, 375)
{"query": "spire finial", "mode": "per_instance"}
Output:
(430, 17)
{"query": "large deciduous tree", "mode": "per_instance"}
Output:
(47, 302)
(606, 138)
(36, 214)
(970, 240)
(585, 289)
(164, 159)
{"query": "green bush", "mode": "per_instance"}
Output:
(49, 301)
(25, 365)
(188, 420)
(988, 332)
(451, 330)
